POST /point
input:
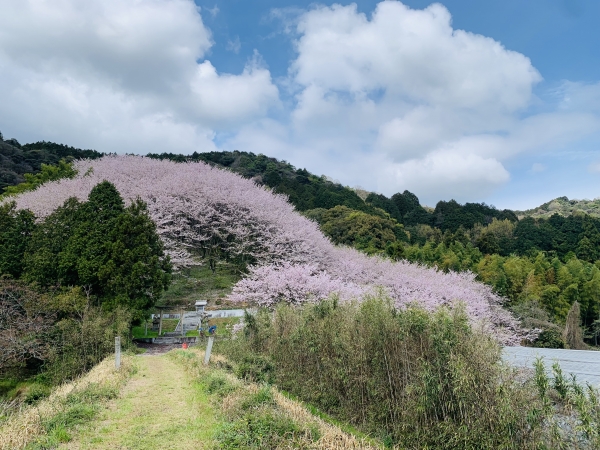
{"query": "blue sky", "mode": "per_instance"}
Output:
(495, 101)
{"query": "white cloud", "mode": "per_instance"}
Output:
(213, 11)
(465, 174)
(401, 100)
(121, 75)
(394, 100)
(594, 167)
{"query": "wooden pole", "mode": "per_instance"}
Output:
(160, 324)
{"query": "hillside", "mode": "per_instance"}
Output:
(564, 207)
(501, 250)
(308, 192)
(17, 160)
(210, 216)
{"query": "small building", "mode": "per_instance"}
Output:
(200, 305)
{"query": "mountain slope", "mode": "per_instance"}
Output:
(215, 215)
(17, 160)
(564, 207)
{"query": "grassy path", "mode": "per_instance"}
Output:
(160, 408)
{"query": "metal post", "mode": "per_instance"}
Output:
(208, 350)
(117, 352)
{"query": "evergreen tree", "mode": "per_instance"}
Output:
(112, 251)
(16, 228)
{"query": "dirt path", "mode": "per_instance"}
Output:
(160, 408)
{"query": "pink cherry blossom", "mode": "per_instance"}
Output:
(198, 208)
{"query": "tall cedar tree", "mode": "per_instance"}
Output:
(16, 228)
(112, 250)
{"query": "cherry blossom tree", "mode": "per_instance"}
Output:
(201, 211)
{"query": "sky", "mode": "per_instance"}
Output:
(481, 101)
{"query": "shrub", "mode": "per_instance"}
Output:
(256, 368)
(263, 431)
(415, 378)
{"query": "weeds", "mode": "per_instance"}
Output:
(257, 416)
(415, 379)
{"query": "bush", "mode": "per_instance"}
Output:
(411, 377)
(256, 368)
(263, 431)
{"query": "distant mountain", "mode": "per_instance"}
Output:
(17, 160)
(564, 207)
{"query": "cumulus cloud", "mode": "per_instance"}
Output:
(396, 99)
(121, 75)
(403, 98)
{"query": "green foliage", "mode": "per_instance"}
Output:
(257, 368)
(417, 379)
(573, 420)
(16, 228)
(17, 160)
(47, 173)
(538, 277)
(451, 215)
(217, 383)
(251, 416)
(112, 250)
(564, 207)
(261, 431)
(366, 232)
(410, 210)
(77, 408)
(200, 282)
(83, 336)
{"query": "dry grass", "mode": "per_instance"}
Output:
(27, 425)
(331, 437)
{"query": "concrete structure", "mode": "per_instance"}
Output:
(219, 313)
(584, 364)
(200, 305)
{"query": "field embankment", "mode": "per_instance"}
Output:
(52, 420)
(171, 401)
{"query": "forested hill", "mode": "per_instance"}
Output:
(541, 264)
(16, 160)
(564, 207)
(307, 192)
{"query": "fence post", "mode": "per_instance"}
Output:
(117, 352)
(208, 350)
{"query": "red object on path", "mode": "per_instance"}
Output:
(184, 345)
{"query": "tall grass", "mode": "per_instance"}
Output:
(258, 416)
(413, 378)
